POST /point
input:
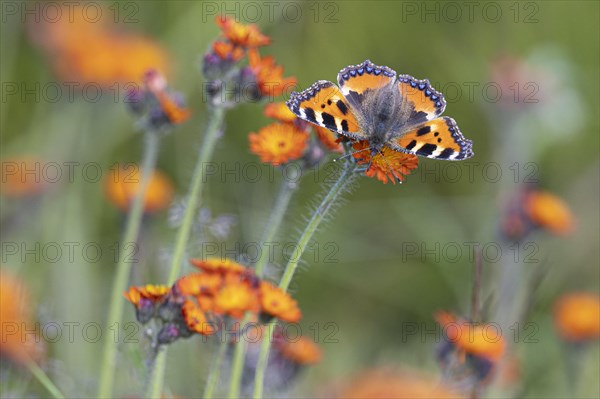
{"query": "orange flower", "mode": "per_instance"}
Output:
(549, 211)
(269, 76)
(577, 316)
(228, 51)
(302, 351)
(122, 185)
(218, 265)
(86, 51)
(328, 138)
(278, 303)
(387, 383)
(387, 167)
(279, 111)
(153, 293)
(199, 283)
(235, 299)
(16, 318)
(240, 34)
(22, 177)
(278, 143)
(482, 340)
(196, 319)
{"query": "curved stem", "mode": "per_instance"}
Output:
(134, 220)
(43, 378)
(193, 201)
(334, 192)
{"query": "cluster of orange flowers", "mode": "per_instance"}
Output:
(261, 78)
(536, 209)
(478, 347)
(198, 301)
(85, 51)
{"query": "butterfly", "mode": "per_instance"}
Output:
(375, 104)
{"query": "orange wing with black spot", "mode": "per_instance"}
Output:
(426, 102)
(324, 105)
(439, 139)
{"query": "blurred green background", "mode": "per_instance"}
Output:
(369, 287)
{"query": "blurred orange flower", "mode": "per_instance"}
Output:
(228, 51)
(196, 319)
(548, 211)
(235, 299)
(278, 303)
(577, 316)
(242, 35)
(16, 315)
(279, 111)
(278, 143)
(481, 340)
(269, 76)
(199, 283)
(218, 265)
(22, 177)
(389, 166)
(122, 185)
(388, 383)
(328, 138)
(85, 51)
(153, 293)
(301, 351)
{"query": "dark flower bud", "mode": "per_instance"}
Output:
(145, 310)
(169, 333)
(135, 98)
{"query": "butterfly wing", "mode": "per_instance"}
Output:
(356, 80)
(439, 138)
(426, 102)
(324, 105)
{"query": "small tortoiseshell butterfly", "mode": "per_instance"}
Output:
(372, 103)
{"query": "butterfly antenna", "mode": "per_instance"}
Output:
(390, 166)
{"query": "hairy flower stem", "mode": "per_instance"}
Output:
(43, 379)
(213, 132)
(281, 204)
(132, 228)
(318, 216)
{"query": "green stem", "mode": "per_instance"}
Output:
(279, 208)
(215, 370)
(193, 201)
(121, 280)
(334, 192)
(43, 378)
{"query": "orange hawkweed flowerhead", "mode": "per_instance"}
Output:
(577, 316)
(196, 319)
(85, 51)
(122, 185)
(153, 293)
(328, 138)
(268, 75)
(279, 111)
(218, 265)
(199, 283)
(548, 211)
(235, 299)
(391, 165)
(242, 35)
(18, 343)
(278, 303)
(301, 351)
(278, 143)
(388, 382)
(22, 177)
(228, 51)
(480, 340)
